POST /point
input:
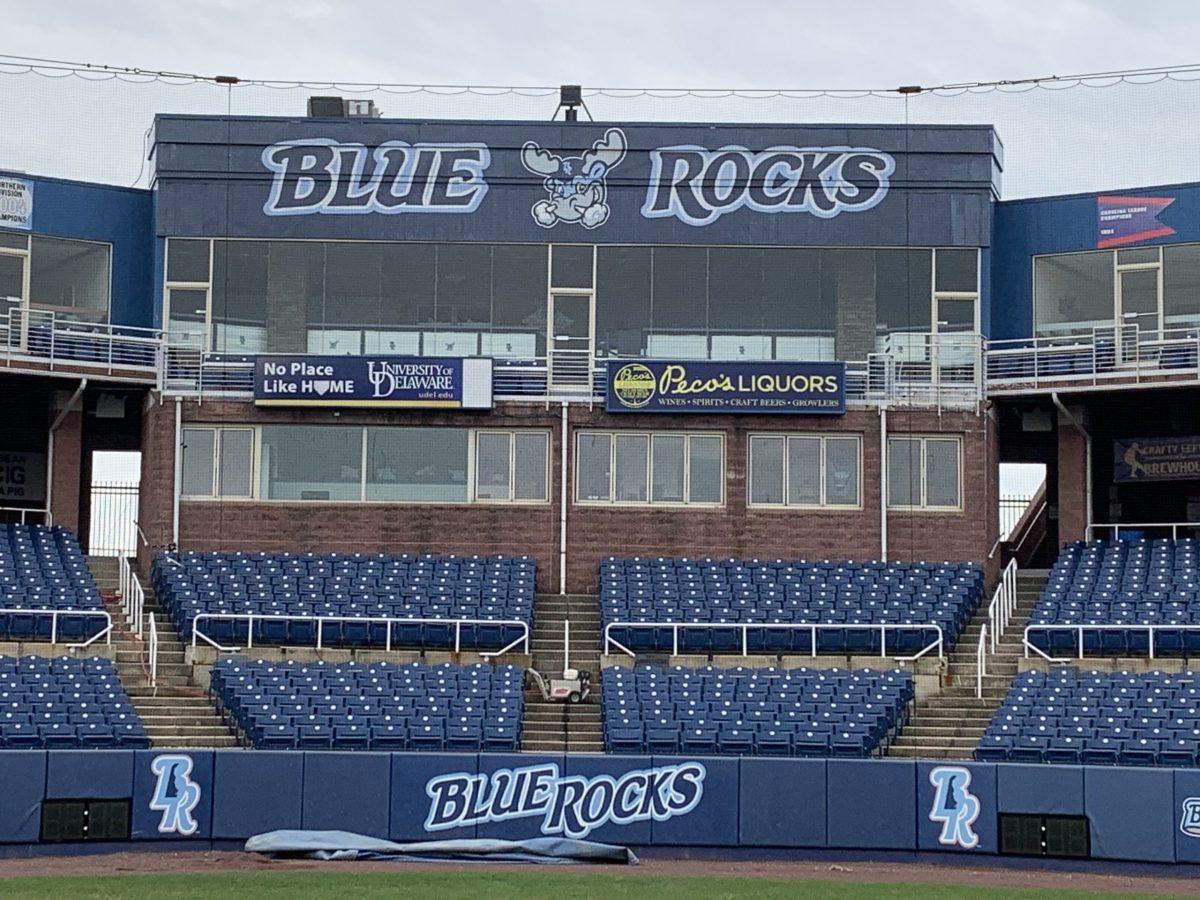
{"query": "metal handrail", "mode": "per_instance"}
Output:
(1116, 527)
(251, 618)
(44, 336)
(133, 597)
(882, 627)
(25, 512)
(153, 652)
(1080, 629)
(1004, 601)
(54, 614)
(981, 661)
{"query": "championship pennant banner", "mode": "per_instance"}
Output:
(1130, 220)
(807, 388)
(379, 381)
(1156, 459)
(16, 203)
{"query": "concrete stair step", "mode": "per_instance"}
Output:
(184, 743)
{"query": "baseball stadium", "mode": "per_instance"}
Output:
(397, 487)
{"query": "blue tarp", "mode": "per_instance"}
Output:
(345, 845)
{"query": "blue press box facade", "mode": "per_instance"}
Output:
(229, 795)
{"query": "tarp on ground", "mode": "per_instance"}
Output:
(345, 845)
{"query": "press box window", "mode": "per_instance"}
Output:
(804, 471)
(667, 468)
(925, 473)
(217, 462)
(511, 466)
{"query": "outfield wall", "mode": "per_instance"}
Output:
(686, 802)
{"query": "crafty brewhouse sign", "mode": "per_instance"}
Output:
(727, 387)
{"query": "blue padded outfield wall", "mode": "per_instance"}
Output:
(1148, 815)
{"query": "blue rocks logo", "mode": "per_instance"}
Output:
(698, 186)
(1190, 823)
(577, 185)
(569, 805)
(175, 794)
(955, 807)
(318, 175)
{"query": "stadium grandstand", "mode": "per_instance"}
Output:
(512, 478)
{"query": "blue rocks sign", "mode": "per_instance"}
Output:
(379, 381)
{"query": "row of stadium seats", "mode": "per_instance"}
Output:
(65, 703)
(1121, 583)
(354, 586)
(42, 568)
(1097, 718)
(741, 711)
(725, 594)
(376, 706)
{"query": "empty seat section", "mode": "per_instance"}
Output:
(757, 605)
(65, 703)
(743, 712)
(345, 599)
(1097, 718)
(372, 706)
(1106, 589)
(42, 570)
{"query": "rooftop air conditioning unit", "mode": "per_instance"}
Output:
(339, 107)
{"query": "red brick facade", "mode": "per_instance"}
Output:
(593, 532)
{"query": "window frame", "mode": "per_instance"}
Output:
(255, 495)
(649, 502)
(824, 505)
(29, 256)
(923, 505)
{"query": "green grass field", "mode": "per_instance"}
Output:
(541, 885)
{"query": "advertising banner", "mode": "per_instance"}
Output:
(22, 477)
(805, 388)
(1156, 459)
(1130, 220)
(16, 203)
(379, 381)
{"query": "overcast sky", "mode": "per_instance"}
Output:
(615, 43)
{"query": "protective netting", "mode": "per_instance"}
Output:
(1059, 135)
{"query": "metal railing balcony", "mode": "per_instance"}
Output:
(34, 340)
(1103, 356)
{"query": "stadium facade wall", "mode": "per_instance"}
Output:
(1144, 815)
(593, 532)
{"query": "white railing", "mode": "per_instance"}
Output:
(981, 660)
(1101, 355)
(916, 369)
(1113, 529)
(152, 652)
(51, 340)
(56, 614)
(744, 627)
(320, 621)
(1004, 601)
(23, 515)
(1079, 631)
(133, 598)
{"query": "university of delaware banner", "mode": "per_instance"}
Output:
(726, 387)
(384, 381)
(1156, 459)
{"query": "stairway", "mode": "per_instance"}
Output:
(560, 727)
(949, 724)
(176, 713)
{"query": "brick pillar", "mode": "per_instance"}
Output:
(1072, 481)
(64, 479)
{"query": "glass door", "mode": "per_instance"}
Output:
(1140, 301)
(13, 269)
(570, 342)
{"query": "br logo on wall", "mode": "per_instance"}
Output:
(568, 805)
(577, 185)
(1190, 823)
(955, 807)
(175, 794)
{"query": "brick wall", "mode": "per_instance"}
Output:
(593, 532)
(1072, 481)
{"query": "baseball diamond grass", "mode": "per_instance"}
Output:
(527, 885)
